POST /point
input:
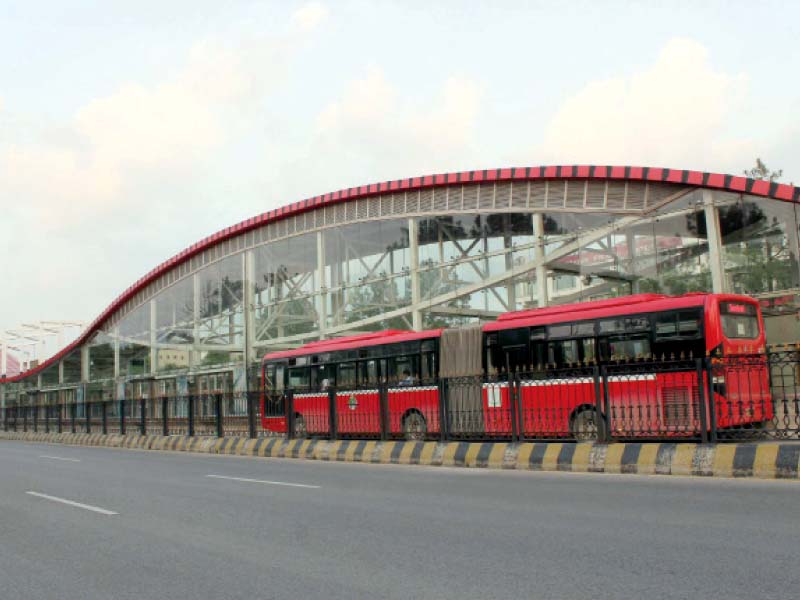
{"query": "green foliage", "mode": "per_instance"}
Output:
(761, 171)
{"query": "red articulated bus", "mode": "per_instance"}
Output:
(634, 338)
(354, 366)
(643, 344)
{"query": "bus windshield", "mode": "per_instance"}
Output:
(739, 320)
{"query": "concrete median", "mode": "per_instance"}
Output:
(764, 460)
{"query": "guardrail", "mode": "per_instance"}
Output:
(698, 399)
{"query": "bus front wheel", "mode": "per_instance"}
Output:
(414, 427)
(583, 425)
(300, 431)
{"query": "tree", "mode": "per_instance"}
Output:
(760, 171)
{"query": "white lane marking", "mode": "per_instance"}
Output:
(60, 458)
(245, 479)
(96, 509)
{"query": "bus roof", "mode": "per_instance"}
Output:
(613, 307)
(363, 340)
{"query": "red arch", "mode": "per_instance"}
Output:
(715, 181)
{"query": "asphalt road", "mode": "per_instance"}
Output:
(368, 531)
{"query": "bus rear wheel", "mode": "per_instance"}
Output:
(414, 427)
(583, 425)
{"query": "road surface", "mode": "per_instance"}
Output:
(88, 523)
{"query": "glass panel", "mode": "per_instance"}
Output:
(101, 357)
(175, 326)
(284, 287)
(134, 342)
(72, 367)
(760, 248)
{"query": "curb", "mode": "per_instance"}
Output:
(768, 460)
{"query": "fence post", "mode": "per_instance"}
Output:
(59, 426)
(190, 415)
(289, 397)
(88, 416)
(332, 420)
(599, 393)
(513, 401)
(25, 410)
(164, 420)
(218, 409)
(73, 415)
(602, 407)
(5, 418)
(104, 408)
(122, 416)
(47, 418)
(712, 411)
(701, 400)
(383, 409)
(443, 434)
(142, 416)
(252, 398)
(35, 418)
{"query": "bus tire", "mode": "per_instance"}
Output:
(415, 428)
(583, 424)
(300, 431)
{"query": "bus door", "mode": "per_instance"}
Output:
(357, 398)
(273, 409)
(310, 385)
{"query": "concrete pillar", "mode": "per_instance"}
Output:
(416, 295)
(714, 234)
(539, 255)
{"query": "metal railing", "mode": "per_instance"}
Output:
(753, 397)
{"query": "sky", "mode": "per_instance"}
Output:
(130, 130)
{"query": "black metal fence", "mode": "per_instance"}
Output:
(704, 399)
(219, 414)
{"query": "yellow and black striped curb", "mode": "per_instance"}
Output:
(767, 460)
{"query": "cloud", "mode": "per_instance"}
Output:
(309, 16)
(375, 131)
(673, 113)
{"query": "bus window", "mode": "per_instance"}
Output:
(588, 350)
(298, 377)
(347, 374)
(562, 352)
(739, 320)
(326, 377)
(429, 365)
(369, 372)
(628, 347)
(684, 324)
(398, 365)
(279, 374)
